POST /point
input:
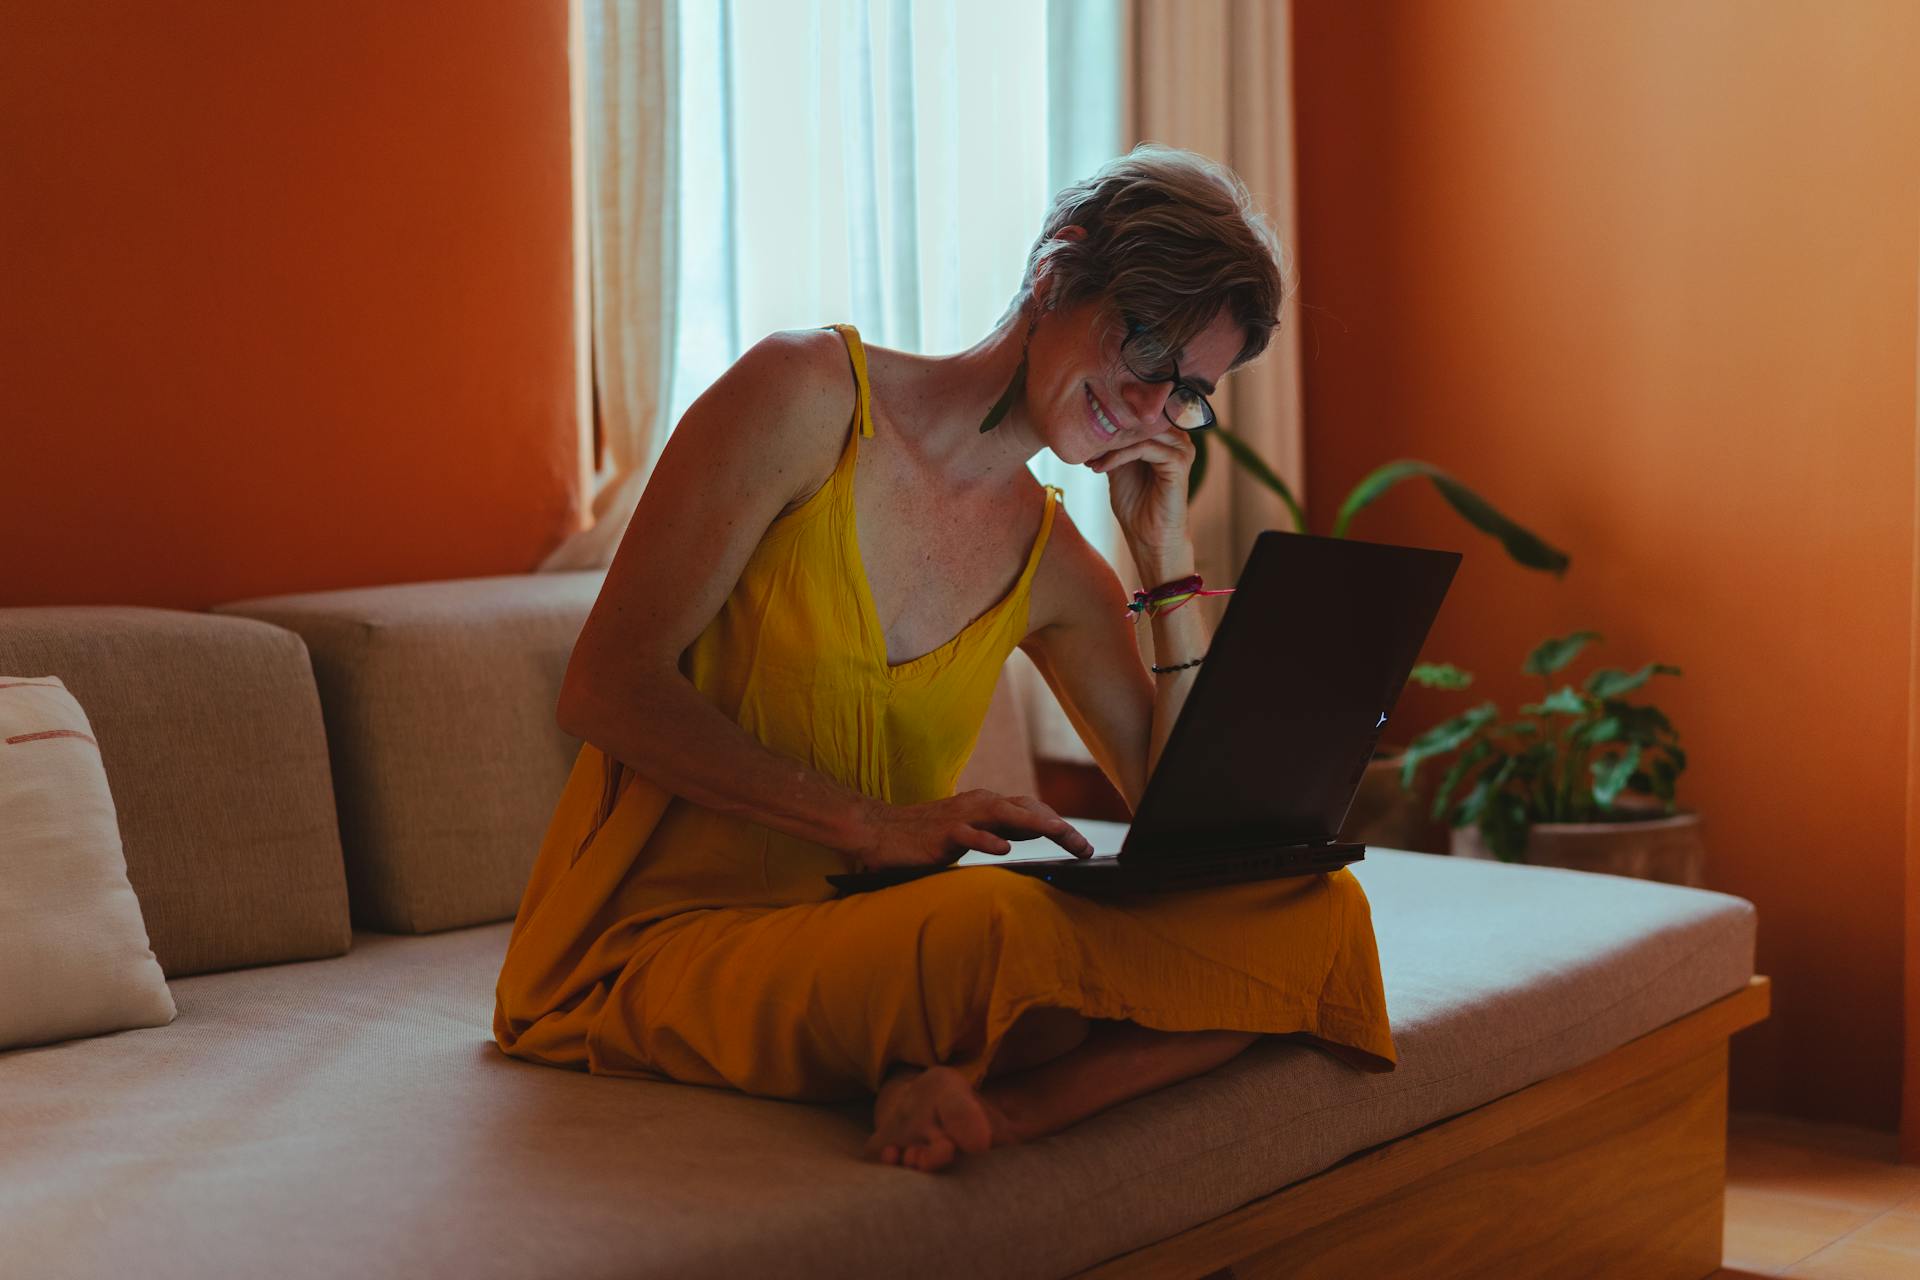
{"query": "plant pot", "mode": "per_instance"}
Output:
(1386, 816)
(1669, 850)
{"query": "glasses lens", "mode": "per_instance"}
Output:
(1188, 410)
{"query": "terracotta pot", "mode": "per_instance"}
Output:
(1669, 850)
(1385, 816)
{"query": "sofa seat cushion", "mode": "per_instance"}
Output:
(353, 1115)
(211, 737)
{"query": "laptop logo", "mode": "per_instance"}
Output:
(1382, 720)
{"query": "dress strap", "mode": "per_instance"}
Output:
(858, 354)
(1054, 498)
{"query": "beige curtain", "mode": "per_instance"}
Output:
(1216, 76)
(626, 96)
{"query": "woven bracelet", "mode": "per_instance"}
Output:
(1178, 666)
(1169, 596)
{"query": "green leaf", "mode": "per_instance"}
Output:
(1639, 724)
(1608, 682)
(1521, 728)
(1564, 701)
(1505, 828)
(1242, 452)
(1198, 471)
(1611, 774)
(1492, 778)
(1532, 774)
(1537, 759)
(1440, 675)
(1595, 732)
(1444, 737)
(1664, 775)
(1470, 757)
(1555, 654)
(1525, 547)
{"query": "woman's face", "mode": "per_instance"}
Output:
(1085, 402)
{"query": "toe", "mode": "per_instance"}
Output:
(937, 1154)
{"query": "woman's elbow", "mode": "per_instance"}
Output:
(583, 706)
(609, 716)
(572, 712)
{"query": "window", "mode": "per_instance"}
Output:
(885, 162)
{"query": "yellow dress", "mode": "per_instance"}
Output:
(660, 939)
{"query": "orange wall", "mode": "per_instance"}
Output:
(1644, 273)
(288, 296)
(1910, 1101)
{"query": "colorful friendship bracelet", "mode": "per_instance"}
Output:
(1169, 596)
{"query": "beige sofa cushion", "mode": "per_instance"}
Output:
(354, 1116)
(210, 733)
(447, 762)
(74, 959)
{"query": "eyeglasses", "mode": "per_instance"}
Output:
(1186, 407)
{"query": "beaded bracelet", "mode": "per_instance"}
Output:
(1178, 666)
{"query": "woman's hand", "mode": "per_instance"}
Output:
(1147, 483)
(943, 831)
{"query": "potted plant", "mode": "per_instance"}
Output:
(1582, 778)
(1383, 811)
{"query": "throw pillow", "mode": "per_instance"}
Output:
(74, 956)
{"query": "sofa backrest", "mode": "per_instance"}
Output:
(211, 736)
(439, 700)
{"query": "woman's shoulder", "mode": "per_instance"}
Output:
(781, 409)
(804, 370)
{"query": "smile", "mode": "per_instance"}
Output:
(1100, 414)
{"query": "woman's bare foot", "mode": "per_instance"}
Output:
(922, 1119)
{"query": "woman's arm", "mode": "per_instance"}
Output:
(757, 443)
(1090, 650)
(1089, 647)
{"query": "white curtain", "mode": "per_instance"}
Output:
(884, 162)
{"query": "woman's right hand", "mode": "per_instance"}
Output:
(943, 831)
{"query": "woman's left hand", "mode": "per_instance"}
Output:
(1147, 483)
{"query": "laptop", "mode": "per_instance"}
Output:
(1262, 765)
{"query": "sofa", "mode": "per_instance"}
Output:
(329, 804)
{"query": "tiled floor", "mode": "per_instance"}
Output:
(1819, 1201)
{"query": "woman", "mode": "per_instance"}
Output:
(789, 663)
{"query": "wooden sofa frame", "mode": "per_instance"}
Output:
(1615, 1168)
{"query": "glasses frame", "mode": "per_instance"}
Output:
(1180, 384)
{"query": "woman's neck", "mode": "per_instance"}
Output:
(939, 402)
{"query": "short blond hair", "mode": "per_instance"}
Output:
(1172, 237)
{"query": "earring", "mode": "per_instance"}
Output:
(1014, 388)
